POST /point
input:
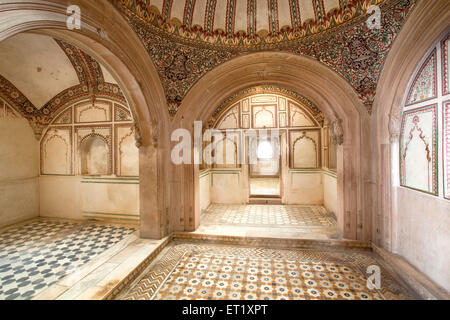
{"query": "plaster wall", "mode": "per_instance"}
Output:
(330, 192)
(205, 183)
(228, 187)
(19, 171)
(424, 233)
(304, 188)
(81, 198)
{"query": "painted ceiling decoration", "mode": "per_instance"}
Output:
(238, 23)
(347, 45)
(91, 86)
(267, 89)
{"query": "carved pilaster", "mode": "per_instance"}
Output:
(337, 132)
(137, 135)
(394, 128)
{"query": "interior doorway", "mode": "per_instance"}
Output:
(264, 166)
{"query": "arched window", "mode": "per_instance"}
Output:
(425, 130)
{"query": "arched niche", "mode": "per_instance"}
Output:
(94, 156)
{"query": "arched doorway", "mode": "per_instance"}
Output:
(313, 80)
(270, 164)
(140, 85)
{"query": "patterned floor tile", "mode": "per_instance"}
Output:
(218, 272)
(265, 215)
(36, 255)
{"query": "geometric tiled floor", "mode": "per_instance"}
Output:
(264, 215)
(35, 255)
(226, 272)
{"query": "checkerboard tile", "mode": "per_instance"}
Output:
(36, 255)
(265, 215)
(217, 272)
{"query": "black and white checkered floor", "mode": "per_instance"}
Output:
(35, 255)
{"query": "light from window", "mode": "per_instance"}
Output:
(265, 150)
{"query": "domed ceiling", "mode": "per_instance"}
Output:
(247, 22)
(188, 38)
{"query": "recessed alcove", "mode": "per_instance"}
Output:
(94, 156)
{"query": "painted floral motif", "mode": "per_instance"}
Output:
(209, 33)
(445, 65)
(354, 51)
(418, 149)
(424, 86)
(446, 135)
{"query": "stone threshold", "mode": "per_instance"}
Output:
(274, 243)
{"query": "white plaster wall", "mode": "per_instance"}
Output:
(205, 195)
(228, 187)
(60, 197)
(330, 193)
(118, 199)
(424, 234)
(78, 198)
(304, 188)
(19, 171)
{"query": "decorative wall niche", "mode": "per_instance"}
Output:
(94, 150)
(98, 139)
(94, 155)
(265, 111)
(418, 155)
(264, 116)
(127, 154)
(231, 119)
(298, 117)
(305, 149)
(91, 112)
(274, 111)
(56, 152)
(228, 149)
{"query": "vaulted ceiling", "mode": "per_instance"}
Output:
(39, 76)
(247, 22)
(188, 38)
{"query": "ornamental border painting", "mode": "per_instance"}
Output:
(445, 65)
(446, 147)
(428, 134)
(424, 72)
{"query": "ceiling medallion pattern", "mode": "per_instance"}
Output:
(179, 65)
(264, 89)
(92, 84)
(358, 53)
(354, 51)
(260, 26)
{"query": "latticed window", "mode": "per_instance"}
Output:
(425, 131)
